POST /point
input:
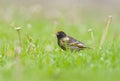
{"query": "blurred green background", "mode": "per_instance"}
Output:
(40, 58)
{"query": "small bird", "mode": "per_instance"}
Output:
(69, 43)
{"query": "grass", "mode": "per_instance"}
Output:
(45, 61)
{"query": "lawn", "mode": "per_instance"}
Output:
(37, 57)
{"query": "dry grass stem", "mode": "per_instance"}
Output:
(104, 34)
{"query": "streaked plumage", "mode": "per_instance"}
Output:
(67, 42)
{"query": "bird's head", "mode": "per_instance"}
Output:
(60, 34)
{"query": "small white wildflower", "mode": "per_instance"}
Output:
(89, 30)
(18, 28)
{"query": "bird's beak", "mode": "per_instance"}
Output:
(57, 33)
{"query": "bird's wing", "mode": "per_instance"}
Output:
(76, 43)
(64, 41)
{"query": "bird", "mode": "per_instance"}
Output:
(69, 43)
